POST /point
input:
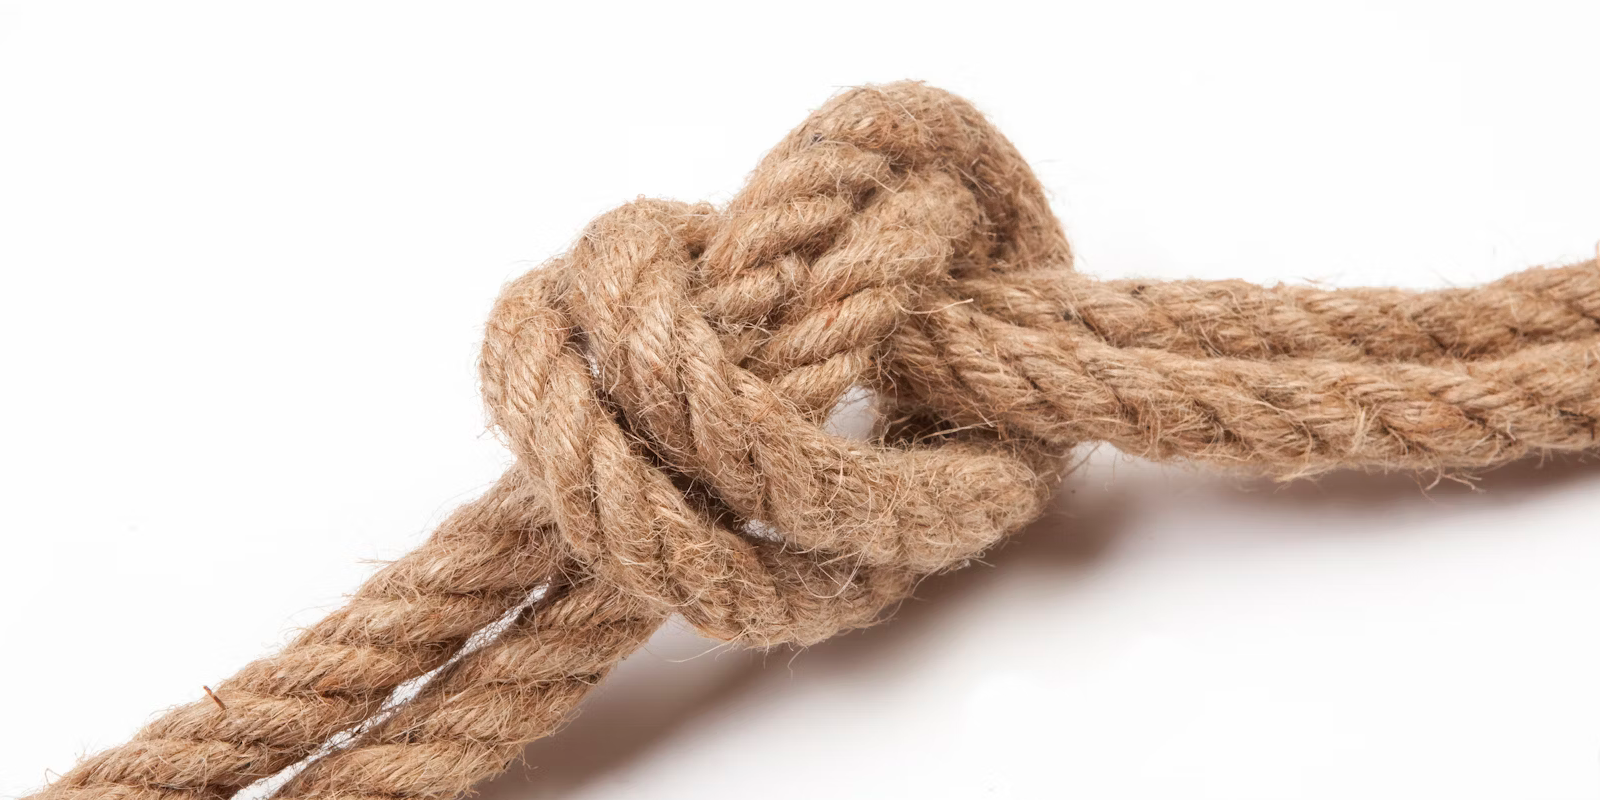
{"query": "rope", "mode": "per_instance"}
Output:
(664, 387)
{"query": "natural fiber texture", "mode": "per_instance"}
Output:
(665, 385)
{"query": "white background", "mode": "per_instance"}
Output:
(245, 250)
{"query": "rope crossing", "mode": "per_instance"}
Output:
(664, 387)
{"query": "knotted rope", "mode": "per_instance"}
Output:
(665, 388)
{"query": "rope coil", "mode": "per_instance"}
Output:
(664, 387)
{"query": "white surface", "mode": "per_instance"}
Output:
(245, 250)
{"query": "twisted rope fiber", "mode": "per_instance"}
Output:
(664, 387)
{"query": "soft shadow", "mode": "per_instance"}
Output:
(683, 677)
(1382, 493)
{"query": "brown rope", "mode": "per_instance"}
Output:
(664, 385)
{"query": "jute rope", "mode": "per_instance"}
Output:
(665, 385)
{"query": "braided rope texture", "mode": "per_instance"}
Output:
(665, 387)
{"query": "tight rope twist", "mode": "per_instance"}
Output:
(666, 386)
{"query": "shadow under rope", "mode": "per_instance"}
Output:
(681, 677)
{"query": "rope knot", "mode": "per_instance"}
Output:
(666, 388)
(668, 380)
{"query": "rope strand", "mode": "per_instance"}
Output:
(405, 621)
(1285, 416)
(1237, 319)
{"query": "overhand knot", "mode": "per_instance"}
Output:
(669, 380)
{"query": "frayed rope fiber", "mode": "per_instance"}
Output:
(664, 387)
